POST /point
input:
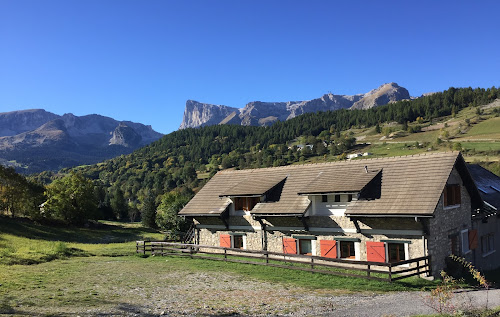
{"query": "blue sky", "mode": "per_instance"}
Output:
(141, 60)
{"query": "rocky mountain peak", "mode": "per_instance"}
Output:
(382, 95)
(261, 113)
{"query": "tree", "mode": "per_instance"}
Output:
(71, 199)
(118, 204)
(166, 214)
(148, 210)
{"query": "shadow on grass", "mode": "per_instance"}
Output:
(103, 233)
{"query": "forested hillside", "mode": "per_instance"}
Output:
(185, 159)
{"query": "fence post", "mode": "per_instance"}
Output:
(137, 247)
(225, 254)
(368, 272)
(267, 258)
(312, 263)
(144, 247)
(390, 273)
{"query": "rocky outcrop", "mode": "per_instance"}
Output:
(53, 141)
(199, 114)
(260, 113)
(125, 136)
(383, 95)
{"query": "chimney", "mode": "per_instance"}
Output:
(366, 169)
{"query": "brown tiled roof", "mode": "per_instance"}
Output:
(251, 185)
(348, 179)
(410, 185)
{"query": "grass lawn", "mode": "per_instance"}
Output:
(25, 242)
(489, 129)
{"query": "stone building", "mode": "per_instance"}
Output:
(380, 210)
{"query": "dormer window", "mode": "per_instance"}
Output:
(245, 203)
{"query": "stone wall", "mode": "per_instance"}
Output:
(448, 221)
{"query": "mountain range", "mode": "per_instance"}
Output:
(257, 113)
(36, 140)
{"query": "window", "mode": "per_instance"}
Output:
(464, 234)
(347, 250)
(452, 195)
(232, 240)
(305, 246)
(349, 197)
(324, 198)
(487, 244)
(237, 242)
(337, 198)
(245, 203)
(396, 252)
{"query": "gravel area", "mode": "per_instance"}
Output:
(211, 294)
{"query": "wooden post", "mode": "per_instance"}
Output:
(390, 273)
(137, 247)
(312, 263)
(144, 247)
(368, 272)
(267, 258)
(225, 254)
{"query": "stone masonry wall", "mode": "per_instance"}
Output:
(448, 221)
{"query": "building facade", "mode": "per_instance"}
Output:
(380, 210)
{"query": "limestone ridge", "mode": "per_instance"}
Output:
(199, 114)
(260, 113)
(40, 140)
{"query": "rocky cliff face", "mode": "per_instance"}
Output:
(260, 113)
(199, 114)
(40, 140)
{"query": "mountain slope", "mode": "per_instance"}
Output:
(39, 140)
(258, 113)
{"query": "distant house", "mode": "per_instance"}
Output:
(353, 155)
(381, 210)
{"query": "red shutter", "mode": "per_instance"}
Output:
(225, 240)
(472, 239)
(375, 251)
(328, 248)
(289, 246)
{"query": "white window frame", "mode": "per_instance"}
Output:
(464, 240)
(407, 252)
(244, 238)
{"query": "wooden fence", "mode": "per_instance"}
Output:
(372, 270)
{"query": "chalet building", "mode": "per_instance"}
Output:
(381, 210)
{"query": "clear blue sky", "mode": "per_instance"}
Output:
(141, 60)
